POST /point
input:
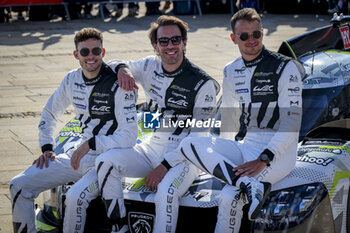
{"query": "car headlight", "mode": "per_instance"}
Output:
(306, 207)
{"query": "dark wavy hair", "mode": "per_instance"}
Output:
(87, 33)
(165, 20)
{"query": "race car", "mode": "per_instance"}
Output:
(314, 197)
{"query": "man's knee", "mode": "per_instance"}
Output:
(101, 162)
(14, 182)
(100, 159)
(104, 159)
(17, 184)
(186, 142)
(185, 147)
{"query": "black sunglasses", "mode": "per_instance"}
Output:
(95, 51)
(245, 35)
(164, 41)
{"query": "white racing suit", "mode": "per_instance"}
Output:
(262, 104)
(108, 120)
(186, 92)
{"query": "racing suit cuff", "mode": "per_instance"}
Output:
(92, 143)
(269, 153)
(166, 164)
(121, 65)
(47, 147)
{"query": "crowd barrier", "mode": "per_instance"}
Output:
(20, 3)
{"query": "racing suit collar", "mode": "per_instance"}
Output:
(256, 60)
(178, 71)
(97, 78)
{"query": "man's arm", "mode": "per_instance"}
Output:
(53, 109)
(126, 134)
(128, 72)
(290, 106)
(125, 79)
(229, 109)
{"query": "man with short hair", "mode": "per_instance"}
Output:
(176, 91)
(262, 114)
(108, 120)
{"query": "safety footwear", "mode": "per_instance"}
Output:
(256, 192)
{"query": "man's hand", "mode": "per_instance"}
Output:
(78, 154)
(156, 176)
(250, 169)
(126, 79)
(44, 159)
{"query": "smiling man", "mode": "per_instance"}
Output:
(106, 121)
(175, 90)
(260, 124)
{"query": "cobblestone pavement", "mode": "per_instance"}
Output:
(35, 56)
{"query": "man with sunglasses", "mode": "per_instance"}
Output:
(176, 91)
(260, 118)
(107, 117)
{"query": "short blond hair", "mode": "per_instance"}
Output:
(248, 14)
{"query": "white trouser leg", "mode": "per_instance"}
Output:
(218, 156)
(230, 210)
(77, 201)
(113, 165)
(215, 156)
(30, 183)
(173, 186)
